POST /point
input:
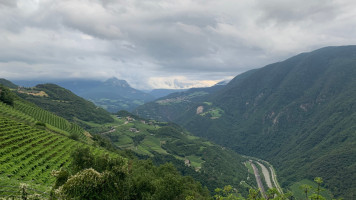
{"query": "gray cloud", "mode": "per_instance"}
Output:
(159, 43)
(297, 11)
(8, 3)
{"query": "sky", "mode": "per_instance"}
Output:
(163, 43)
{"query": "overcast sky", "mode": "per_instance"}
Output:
(163, 43)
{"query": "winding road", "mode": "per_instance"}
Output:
(269, 174)
(258, 179)
(265, 173)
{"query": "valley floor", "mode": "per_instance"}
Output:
(269, 176)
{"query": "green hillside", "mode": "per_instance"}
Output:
(64, 103)
(55, 122)
(44, 160)
(298, 114)
(7, 83)
(163, 142)
(26, 112)
(29, 154)
(173, 106)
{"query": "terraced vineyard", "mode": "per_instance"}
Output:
(12, 113)
(36, 113)
(28, 155)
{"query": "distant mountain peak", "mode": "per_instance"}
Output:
(116, 82)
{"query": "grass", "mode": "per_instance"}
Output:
(249, 167)
(208, 143)
(214, 113)
(195, 161)
(154, 144)
(141, 150)
(192, 137)
(208, 103)
(124, 140)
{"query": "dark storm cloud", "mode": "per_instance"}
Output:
(164, 43)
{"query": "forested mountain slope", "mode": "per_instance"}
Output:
(173, 106)
(112, 94)
(299, 114)
(64, 103)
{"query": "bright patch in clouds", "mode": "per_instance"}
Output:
(160, 43)
(179, 82)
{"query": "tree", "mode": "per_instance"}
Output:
(6, 96)
(318, 180)
(113, 177)
(317, 195)
(306, 188)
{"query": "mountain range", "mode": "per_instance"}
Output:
(299, 114)
(112, 94)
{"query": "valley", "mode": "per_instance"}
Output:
(269, 180)
(164, 142)
(258, 180)
(297, 114)
(36, 142)
(177, 100)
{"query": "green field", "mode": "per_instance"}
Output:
(213, 113)
(195, 161)
(249, 167)
(152, 143)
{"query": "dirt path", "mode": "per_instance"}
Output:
(258, 179)
(265, 173)
(110, 131)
